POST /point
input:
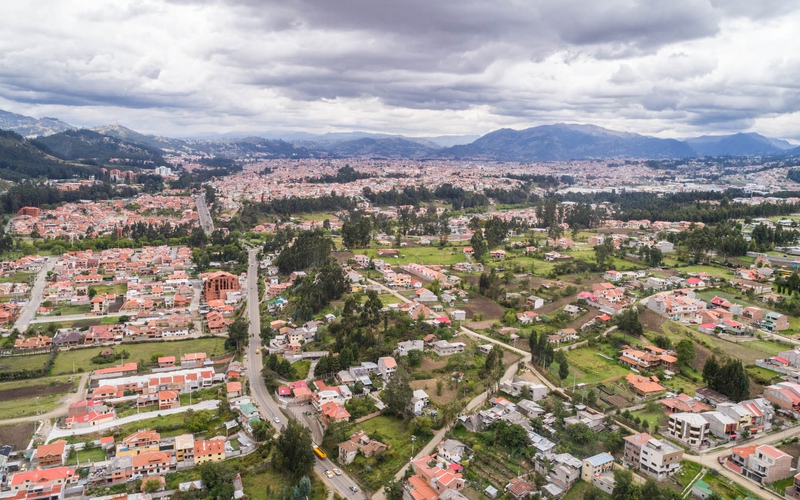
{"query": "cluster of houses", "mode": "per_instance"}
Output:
(144, 455)
(93, 219)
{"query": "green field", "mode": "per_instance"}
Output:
(579, 489)
(93, 455)
(16, 363)
(18, 278)
(421, 255)
(142, 351)
(301, 370)
(589, 368)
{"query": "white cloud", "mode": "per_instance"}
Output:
(415, 67)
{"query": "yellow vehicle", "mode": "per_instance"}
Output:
(258, 351)
(321, 454)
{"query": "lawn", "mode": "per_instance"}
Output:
(391, 432)
(768, 347)
(68, 310)
(141, 351)
(780, 486)
(725, 487)
(268, 485)
(589, 368)
(93, 455)
(15, 363)
(654, 419)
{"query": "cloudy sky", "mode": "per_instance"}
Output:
(417, 67)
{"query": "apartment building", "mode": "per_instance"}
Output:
(210, 450)
(761, 463)
(690, 428)
(52, 455)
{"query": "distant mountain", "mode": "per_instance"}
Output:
(28, 126)
(389, 148)
(447, 141)
(742, 144)
(254, 146)
(22, 159)
(566, 142)
(153, 141)
(87, 145)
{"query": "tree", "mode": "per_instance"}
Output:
(686, 352)
(262, 430)
(510, 435)
(479, 246)
(237, 334)
(218, 478)
(663, 342)
(593, 493)
(398, 393)
(152, 486)
(623, 484)
(92, 292)
(711, 370)
(628, 321)
(651, 490)
(295, 452)
(563, 366)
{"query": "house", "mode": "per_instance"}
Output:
(210, 450)
(595, 466)
(690, 428)
(519, 488)
(458, 315)
(168, 399)
(784, 394)
(52, 455)
(234, 389)
(425, 295)
(775, 322)
(347, 452)
(573, 310)
(166, 362)
(26, 480)
(139, 442)
(445, 348)
(152, 462)
(386, 366)
(683, 403)
(534, 302)
(497, 254)
(721, 425)
(763, 463)
(644, 386)
(451, 450)
(655, 457)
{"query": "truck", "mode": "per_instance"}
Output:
(321, 454)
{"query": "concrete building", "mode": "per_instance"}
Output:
(690, 428)
(217, 285)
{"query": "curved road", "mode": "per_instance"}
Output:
(269, 407)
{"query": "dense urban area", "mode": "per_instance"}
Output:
(217, 322)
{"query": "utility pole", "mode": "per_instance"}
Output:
(413, 442)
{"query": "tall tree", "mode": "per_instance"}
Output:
(398, 393)
(685, 351)
(479, 246)
(295, 452)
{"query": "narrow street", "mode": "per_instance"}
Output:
(37, 292)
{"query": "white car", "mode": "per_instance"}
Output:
(277, 420)
(329, 474)
(337, 472)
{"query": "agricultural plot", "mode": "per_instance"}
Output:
(588, 367)
(17, 363)
(25, 397)
(446, 256)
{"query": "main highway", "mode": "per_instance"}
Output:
(206, 222)
(269, 407)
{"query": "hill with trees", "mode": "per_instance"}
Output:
(95, 148)
(21, 159)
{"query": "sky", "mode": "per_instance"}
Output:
(184, 68)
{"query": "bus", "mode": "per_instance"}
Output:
(321, 454)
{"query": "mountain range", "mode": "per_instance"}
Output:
(558, 142)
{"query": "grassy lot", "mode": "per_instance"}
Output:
(768, 347)
(18, 278)
(23, 407)
(654, 419)
(15, 363)
(688, 471)
(115, 289)
(683, 384)
(142, 351)
(726, 488)
(24, 397)
(388, 431)
(68, 310)
(780, 486)
(423, 255)
(301, 369)
(267, 484)
(589, 368)
(93, 455)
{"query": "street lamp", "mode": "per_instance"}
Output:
(413, 442)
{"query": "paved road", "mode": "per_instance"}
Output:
(60, 433)
(61, 410)
(270, 408)
(254, 360)
(205, 216)
(29, 310)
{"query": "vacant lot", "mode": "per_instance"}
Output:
(29, 390)
(481, 305)
(429, 386)
(142, 351)
(16, 363)
(428, 364)
(422, 255)
(589, 368)
(18, 436)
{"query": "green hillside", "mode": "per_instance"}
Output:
(22, 159)
(87, 145)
